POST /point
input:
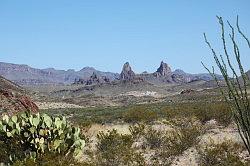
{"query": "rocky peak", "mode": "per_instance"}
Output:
(163, 70)
(127, 72)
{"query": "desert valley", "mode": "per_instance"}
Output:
(124, 83)
(146, 109)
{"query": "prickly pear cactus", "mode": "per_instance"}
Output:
(38, 134)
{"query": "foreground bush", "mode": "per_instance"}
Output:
(31, 136)
(226, 153)
(164, 145)
(185, 134)
(116, 149)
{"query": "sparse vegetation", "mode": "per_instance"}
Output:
(139, 114)
(225, 153)
(204, 111)
(171, 143)
(166, 116)
(150, 145)
(160, 146)
(116, 149)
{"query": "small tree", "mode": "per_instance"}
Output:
(235, 92)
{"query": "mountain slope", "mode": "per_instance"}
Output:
(13, 98)
(6, 84)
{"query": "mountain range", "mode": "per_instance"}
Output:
(26, 75)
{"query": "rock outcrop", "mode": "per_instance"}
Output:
(128, 76)
(188, 91)
(13, 98)
(127, 73)
(95, 79)
(163, 70)
(80, 81)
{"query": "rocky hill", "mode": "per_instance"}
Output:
(6, 84)
(13, 98)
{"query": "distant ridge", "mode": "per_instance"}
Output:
(26, 75)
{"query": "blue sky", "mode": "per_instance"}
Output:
(105, 34)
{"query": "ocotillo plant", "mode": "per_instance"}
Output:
(235, 92)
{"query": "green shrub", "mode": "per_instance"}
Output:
(218, 111)
(185, 135)
(31, 135)
(154, 139)
(223, 154)
(116, 149)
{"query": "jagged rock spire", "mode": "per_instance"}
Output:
(163, 70)
(127, 72)
(96, 79)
